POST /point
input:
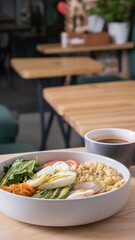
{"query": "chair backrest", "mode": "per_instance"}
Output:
(8, 125)
(132, 52)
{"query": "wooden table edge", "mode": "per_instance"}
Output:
(28, 74)
(110, 47)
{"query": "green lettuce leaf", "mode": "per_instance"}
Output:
(22, 169)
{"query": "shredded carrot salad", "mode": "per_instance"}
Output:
(21, 189)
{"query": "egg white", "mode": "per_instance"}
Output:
(46, 171)
(41, 176)
(61, 166)
(35, 182)
(52, 177)
(60, 179)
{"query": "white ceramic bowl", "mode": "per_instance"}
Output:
(65, 212)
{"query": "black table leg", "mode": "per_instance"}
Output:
(92, 55)
(41, 108)
(82, 142)
(45, 129)
(73, 80)
(66, 134)
(119, 60)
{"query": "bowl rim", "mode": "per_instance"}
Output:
(64, 200)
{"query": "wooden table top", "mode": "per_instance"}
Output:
(91, 106)
(120, 226)
(56, 48)
(29, 68)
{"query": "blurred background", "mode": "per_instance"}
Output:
(42, 24)
(37, 22)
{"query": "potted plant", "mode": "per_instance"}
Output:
(95, 21)
(117, 15)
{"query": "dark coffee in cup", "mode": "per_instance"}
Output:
(112, 139)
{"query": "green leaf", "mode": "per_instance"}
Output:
(19, 170)
(113, 10)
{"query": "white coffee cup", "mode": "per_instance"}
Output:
(97, 141)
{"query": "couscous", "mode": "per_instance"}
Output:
(99, 173)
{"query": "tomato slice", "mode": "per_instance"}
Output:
(72, 164)
(49, 163)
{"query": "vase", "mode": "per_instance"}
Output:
(95, 23)
(119, 32)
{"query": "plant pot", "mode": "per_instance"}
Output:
(96, 23)
(119, 32)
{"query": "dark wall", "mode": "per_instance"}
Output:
(54, 20)
(8, 7)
